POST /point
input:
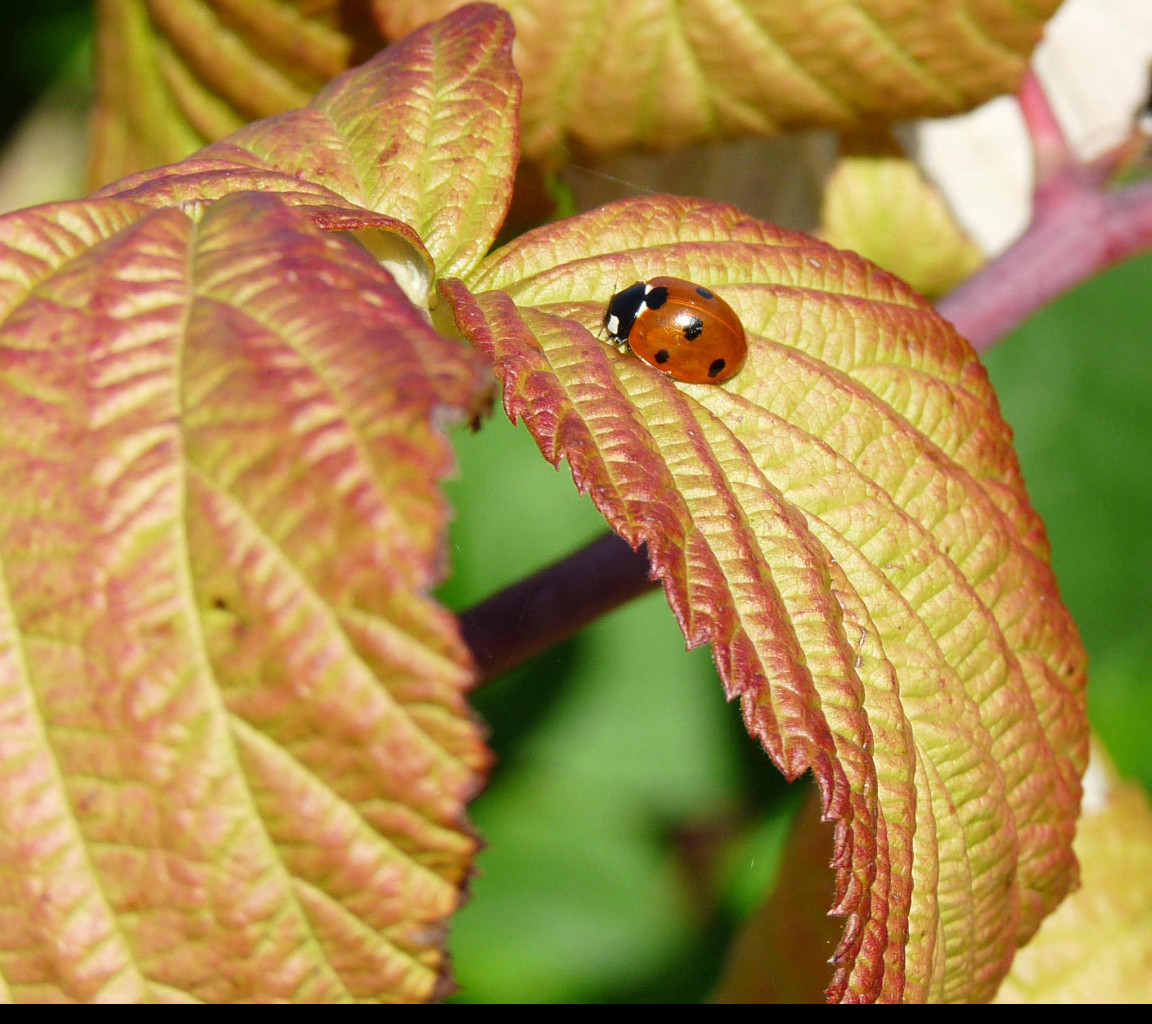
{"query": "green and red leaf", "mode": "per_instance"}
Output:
(666, 75)
(419, 143)
(177, 74)
(236, 749)
(846, 523)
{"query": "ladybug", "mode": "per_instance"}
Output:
(680, 328)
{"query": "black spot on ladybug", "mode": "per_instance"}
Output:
(656, 297)
(662, 356)
(704, 293)
(693, 329)
(716, 367)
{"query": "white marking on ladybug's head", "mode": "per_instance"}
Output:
(643, 307)
(613, 324)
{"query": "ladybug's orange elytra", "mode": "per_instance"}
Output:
(682, 329)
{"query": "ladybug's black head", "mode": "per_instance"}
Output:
(623, 310)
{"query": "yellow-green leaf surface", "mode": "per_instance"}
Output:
(176, 74)
(235, 749)
(1097, 947)
(846, 523)
(420, 142)
(885, 209)
(667, 74)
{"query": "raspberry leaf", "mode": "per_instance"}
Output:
(238, 752)
(420, 143)
(177, 74)
(666, 75)
(236, 749)
(845, 522)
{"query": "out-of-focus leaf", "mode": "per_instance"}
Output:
(176, 74)
(419, 143)
(668, 74)
(783, 952)
(235, 752)
(1097, 946)
(845, 521)
(885, 209)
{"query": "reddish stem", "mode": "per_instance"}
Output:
(510, 627)
(1050, 152)
(1078, 229)
(1075, 238)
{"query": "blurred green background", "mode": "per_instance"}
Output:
(1075, 383)
(630, 822)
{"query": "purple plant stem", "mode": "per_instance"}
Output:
(1075, 235)
(1078, 229)
(511, 626)
(1050, 151)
